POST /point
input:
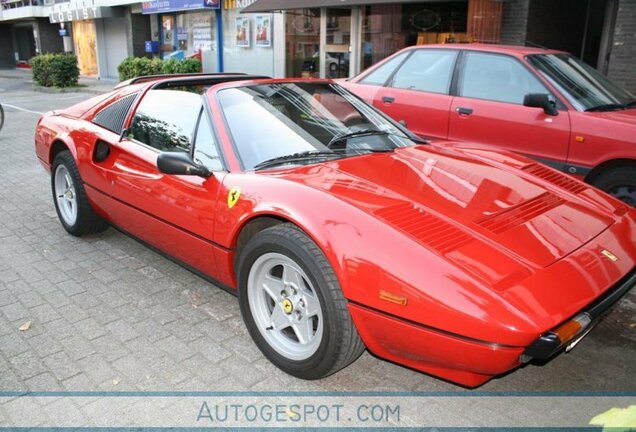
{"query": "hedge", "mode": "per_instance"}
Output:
(55, 70)
(133, 67)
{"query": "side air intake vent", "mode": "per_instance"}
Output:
(424, 227)
(556, 178)
(113, 116)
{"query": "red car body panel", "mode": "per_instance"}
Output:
(573, 140)
(490, 249)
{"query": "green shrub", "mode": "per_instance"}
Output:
(133, 67)
(55, 70)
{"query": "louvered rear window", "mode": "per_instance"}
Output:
(113, 116)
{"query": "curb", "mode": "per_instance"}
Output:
(54, 90)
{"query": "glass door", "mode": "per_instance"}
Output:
(337, 50)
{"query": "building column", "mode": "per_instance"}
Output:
(514, 22)
(622, 60)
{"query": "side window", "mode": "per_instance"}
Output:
(165, 119)
(427, 70)
(381, 75)
(205, 150)
(498, 78)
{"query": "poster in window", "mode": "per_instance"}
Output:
(242, 32)
(263, 30)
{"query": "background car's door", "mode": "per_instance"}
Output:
(417, 94)
(174, 213)
(489, 110)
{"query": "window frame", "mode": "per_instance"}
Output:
(460, 70)
(205, 107)
(449, 91)
(374, 68)
(205, 111)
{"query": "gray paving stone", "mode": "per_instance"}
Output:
(12, 344)
(44, 345)
(77, 347)
(61, 365)
(43, 382)
(27, 366)
(90, 328)
(15, 311)
(122, 330)
(44, 313)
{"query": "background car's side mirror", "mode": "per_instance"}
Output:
(541, 100)
(180, 163)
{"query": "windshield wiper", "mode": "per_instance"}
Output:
(607, 107)
(631, 104)
(294, 157)
(363, 132)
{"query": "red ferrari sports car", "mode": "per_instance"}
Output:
(338, 228)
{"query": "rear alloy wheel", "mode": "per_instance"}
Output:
(620, 183)
(292, 304)
(72, 206)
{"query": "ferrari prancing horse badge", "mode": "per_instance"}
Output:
(233, 196)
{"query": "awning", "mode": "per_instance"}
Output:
(276, 5)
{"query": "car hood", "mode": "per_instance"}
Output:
(485, 217)
(627, 116)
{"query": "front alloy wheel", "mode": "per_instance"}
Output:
(293, 306)
(285, 306)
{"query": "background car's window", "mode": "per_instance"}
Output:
(165, 119)
(205, 150)
(585, 87)
(381, 75)
(497, 77)
(426, 70)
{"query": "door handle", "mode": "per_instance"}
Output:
(388, 99)
(464, 111)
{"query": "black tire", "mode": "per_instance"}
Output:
(340, 344)
(1, 116)
(87, 221)
(619, 182)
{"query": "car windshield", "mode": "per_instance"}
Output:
(584, 87)
(303, 122)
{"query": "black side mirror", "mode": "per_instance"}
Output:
(542, 100)
(180, 163)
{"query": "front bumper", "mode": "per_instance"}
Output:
(551, 342)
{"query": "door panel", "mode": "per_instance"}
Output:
(156, 200)
(417, 94)
(511, 127)
(425, 114)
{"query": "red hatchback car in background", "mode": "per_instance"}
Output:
(545, 104)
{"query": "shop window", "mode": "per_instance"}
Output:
(205, 149)
(382, 74)
(165, 119)
(426, 70)
(387, 28)
(498, 78)
(302, 43)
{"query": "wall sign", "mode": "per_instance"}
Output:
(87, 13)
(160, 6)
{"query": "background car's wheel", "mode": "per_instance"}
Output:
(619, 182)
(72, 206)
(293, 306)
